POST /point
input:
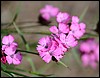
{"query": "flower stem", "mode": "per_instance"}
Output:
(64, 64)
(21, 35)
(28, 52)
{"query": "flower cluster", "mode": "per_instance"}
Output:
(63, 37)
(8, 52)
(89, 50)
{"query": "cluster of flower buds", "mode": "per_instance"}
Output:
(63, 37)
(9, 52)
(89, 50)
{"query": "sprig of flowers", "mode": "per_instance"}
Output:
(63, 37)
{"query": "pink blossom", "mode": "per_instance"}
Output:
(46, 16)
(49, 11)
(90, 52)
(9, 48)
(7, 40)
(62, 28)
(63, 17)
(75, 19)
(68, 40)
(77, 30)
(44, 44)
(54, 29)
(14, 59)
(54, 50)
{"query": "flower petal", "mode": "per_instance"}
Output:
(53, 29)
(17, 58)
(9, 59)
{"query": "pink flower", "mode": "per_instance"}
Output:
(53, 49)
(46, 16)
(62, 28)
(14, 59)
(69, 40)
(77, 30)
(7, 40)
(75, 19)
(63, 17)
(9, 48)
(49, 11)
(44, 44)
(90, 52)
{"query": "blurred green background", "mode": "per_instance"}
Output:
(29, 11)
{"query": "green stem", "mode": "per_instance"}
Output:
(64, 64)
(28, 52)
(21, 35)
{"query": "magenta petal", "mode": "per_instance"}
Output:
(54, 12)
(10, 50)
(63, 28)
(11, 38)
(63, 38)
(58, 51)
(63, 17)
(42, 53)
(78, 34)
(17, 58)
(74, 27)
(9, 59)
(75, 19)
(3, 47)
(47, 58)
(53, 29)
(42, 41)
(70, 40)
(82, 26)
(5, 40)
(46, 16)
